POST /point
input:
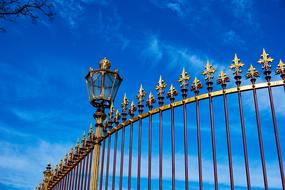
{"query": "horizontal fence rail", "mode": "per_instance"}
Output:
(144, 151)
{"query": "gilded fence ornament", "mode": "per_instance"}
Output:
(196, 85)
(236, 68)
(111, 116)
(84, 140)
(66, 159)
(208, 74)
(150, 101)
(117, 117)
(160, 90)
(47, 176)
(252, 74)
(223, 79)
(183, 80)
(280, 70)
(77, 149)
(124, 108)
(71, 155)
(140, 97)
(171, 93)
(265, 60)
(91, 135)
(132, 109)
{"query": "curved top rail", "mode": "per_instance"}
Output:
(190, 100)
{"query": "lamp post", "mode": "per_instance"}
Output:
(102, 86)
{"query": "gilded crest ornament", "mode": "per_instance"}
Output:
(280, 70)
(125, 102)
(117, 117)
(184, 78)
(141, 94)
(171, 93)
(265, 60)
(236, 66)
(111, 111)
(160, 87)
(208, 72)
(223, 78)
(252, 73)
(132, 109)
(150, 100)
(196, 85)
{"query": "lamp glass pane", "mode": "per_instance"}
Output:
(96, 79)
(116, 86)
(108, 84)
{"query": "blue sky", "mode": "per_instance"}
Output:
(44, 106)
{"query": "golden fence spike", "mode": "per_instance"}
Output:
(125, 102)
(223, 79)
(252, 73)
(196, 85)
(280, 70)
(265, 60)
(111, 111)
(184, 78)
(150, 100)
(117, 117)
(132, 108)
(236, 65)
(141, 94)
(160, 87)
(171, 93)
(209, 71)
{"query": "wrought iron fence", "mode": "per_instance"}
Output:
(77, 169)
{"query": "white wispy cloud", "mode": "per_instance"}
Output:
(175, 56)
(22, 165)
(179, 7)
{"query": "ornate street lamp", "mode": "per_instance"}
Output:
(102, 86)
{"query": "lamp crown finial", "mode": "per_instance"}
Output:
(105, 63)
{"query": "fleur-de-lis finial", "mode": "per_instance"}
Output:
(160, 87)
(196, 85)
(150, 100)
(236, 66)
(83, 141)
(208, 72)
(66, 158)
(140, 95)
(252, 73)
(77, 146)
(171, 93)
(223, 79)
(117, 117)
(265, 60)
(71, 154)
(184, 78)
(132, 109)
(125, 102)
(111, 111)
(280, 70)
